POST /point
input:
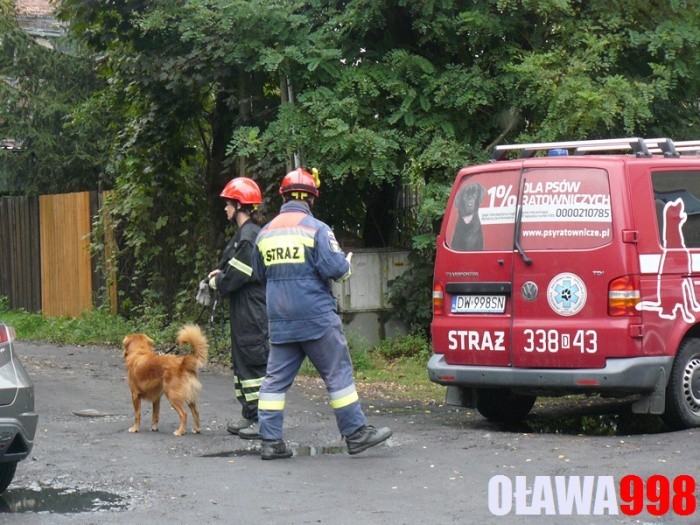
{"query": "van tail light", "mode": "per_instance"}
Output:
(438, 299)
(623, 296)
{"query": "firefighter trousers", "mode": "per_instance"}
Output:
(249, 362)
(331, 357)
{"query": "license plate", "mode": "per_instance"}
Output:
(478, 304)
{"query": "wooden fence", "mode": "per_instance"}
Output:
(45, 262)
(20, 254)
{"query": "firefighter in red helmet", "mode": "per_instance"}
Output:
(297, 256)
(299, 184)
(234, 280)
(243, 190)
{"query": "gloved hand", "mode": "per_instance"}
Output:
(348, 257)
(203, 295)
(212, 278)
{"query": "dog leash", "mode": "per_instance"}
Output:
(197, 321)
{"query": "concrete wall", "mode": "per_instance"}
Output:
(363, 299)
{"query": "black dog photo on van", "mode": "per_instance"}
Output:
(468, 235)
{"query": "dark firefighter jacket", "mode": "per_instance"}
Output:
(245, 293)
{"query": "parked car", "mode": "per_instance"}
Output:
(18, 419)
(574, 268)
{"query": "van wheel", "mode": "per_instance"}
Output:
(683, 390)
(503, 405)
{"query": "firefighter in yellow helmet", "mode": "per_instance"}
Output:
(234, 280)
(297, 257)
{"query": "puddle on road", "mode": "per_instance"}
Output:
(232, 453)
(300, 450)
(591, 425)
(319, 451)
(58, 501)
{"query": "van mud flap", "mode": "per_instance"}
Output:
(655, 401)
(460, 396)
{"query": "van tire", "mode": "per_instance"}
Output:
(683, 390)
(503, 405)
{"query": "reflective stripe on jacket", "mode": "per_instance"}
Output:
(297, 257)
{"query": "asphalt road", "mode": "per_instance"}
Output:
(437, 468)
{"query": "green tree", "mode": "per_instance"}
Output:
(180, 95)
(380, 95)
(40, 88)
(605, 68)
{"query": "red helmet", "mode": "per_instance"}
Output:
(243, 190)
(301, 181)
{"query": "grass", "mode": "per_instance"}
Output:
(394, 368)
(399, 379)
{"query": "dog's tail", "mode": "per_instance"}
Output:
(192, 334)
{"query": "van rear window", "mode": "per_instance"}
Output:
(482, 216)
(561, 209)
(676, 194)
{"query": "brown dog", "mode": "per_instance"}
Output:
(151, 375)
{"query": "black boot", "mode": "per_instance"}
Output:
(366, 436)
(274, 449)
(251, 432)
(236, 426)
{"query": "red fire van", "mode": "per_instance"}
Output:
(573, 268)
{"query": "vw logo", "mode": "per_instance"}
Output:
(529, 291)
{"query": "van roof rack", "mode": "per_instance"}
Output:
(685, 146)
(640, 147)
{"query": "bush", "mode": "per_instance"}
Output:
(362, 361)
(411, 294)
(410, 346)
